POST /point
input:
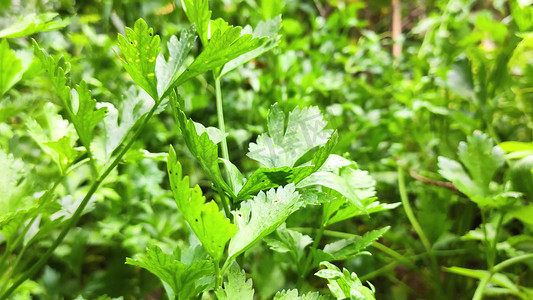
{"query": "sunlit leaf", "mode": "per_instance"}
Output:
(237, 287)
(140, 48)
(263, 214)
(206, 220)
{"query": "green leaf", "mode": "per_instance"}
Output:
(118, 122)
(167, 71)
(12, 184)
(198, 12)
(33, 23)
(291, 242)
(293, 295)
(264, 178)
(268, 29)
(454, 172)
(259, 217)
(86, 117)
(222, 47)
(57, 72)
(284, 146)
(340, 209)
(348, 248)
(523, 213)
(56, 137)
(345, 285)
(235, 177)
(206, 220)
(182, 278)
(140, 48)
(204, 150)
(355, 185)
(237, 287)
(11, 68)
(481, 158)
(78, 103)
(516, 150)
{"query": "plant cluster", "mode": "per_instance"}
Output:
(187, 158)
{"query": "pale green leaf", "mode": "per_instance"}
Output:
(235, 177)
(198, 13)
(205, 219)
(291, 242)
(33, 23)
(11, 68)
(454, 172)
(345, 285)
(283, 146)
(293, 295)
(265, 178)
(11, 185)
(237, 287)
(167, 71)
(347, 248)
(355, 185)
(140, 48)
(339, 209)
(55, 136)
(118, 122)
(182, 278)
(262, 215)
(481, 158)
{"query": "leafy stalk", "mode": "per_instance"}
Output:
(79, 210)
(220, 116)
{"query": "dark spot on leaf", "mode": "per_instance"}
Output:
(150, 34)
(131, 43)
(196, 220)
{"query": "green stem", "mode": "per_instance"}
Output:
(511, 261)
(409, 211)
(488, 246)
(478, 294)
(224, 201)
(77, 214)
(220, 116)
(307, 265)
(418, 229)
(218, 276)
(496, 236)
(480, 290)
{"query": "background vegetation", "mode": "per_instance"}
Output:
(433, 98)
